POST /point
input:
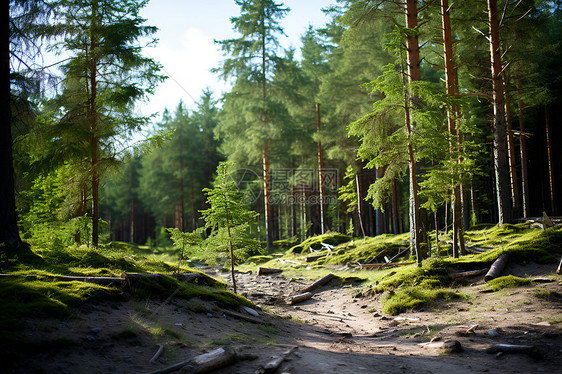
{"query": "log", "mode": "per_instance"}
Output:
(497, 267)
(559, 270)
(313, 258)
(299, 298)
(157, 354)
(274, 364)
(448, 346)
(319, 283)
(468, 274)
(244, 317)
(207, 362)
(366, 266)
(513, 348)
(267, 271)
(103, 281)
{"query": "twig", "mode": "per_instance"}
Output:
(157, 354)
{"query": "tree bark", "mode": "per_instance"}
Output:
(452, 114)
(501, 167)
(320, 172)
(511, 149)
(497, 267)
(523, 151)
(549, 156)
(93, 119)
(414, 74)
(9, 233)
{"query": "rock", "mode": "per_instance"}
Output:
(250, 311)
(493, 333)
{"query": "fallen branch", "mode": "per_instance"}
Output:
(468, 274)
(244, 317)
(319, 283)
(274, 364)
(366, 266)
(559, 270)
(157, 354)
(267, 271)
(497, 267)
(104, 281)
(449, 346)
(313, 258)
(204, 363)
(513, 348)
(299, 298)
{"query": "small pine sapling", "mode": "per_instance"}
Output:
(183, 240)
(228, 220)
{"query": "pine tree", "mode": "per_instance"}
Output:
(105, 75)
(252, 58)
(228, 220)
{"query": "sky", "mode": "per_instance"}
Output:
(186, 48)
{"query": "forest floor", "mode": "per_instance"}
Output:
(339, 330)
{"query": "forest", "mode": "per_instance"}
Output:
(414, 117)
(381, 167)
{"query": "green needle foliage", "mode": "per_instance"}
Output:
(228, 220)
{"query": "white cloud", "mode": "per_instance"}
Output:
(187, 60)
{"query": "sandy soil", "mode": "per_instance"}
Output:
(339, 330)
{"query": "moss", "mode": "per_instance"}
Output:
(414, 297)
(332, 238)
(508, 281)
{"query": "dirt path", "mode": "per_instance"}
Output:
(339, 330)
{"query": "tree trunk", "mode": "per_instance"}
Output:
(511, 149)
(267, 198)
(523, 151)
(93, 119)
(414, 74)
(320, 172)
(452, 114)
(132, 221)
(9, 233)
(501, 167)
(359, 199)
(395, 216)
(549, 154)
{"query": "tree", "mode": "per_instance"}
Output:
(9, 233)
(20, 25)
(252, 57)
(228, 220)
(104, 77)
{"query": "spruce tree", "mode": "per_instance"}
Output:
(104, 77)
(251, 59)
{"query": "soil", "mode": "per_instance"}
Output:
(339, 330)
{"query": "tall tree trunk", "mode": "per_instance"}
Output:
(320, 172)
(501, 167)
(452, 115)
(511, 148)
(395, 214)
(132, 221)
(549, 157)
(267, 197)
(93, 119)
(523, 151)
(359, 200)
(9, 233)
(414, 74)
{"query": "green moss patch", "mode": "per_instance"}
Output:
(315, 243)
(405, 299)
(508, 281)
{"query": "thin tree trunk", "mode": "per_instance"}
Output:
(9, 233)
(511, 148)
(549, 154)
(358, 184)
(93, 129)
(132, 221)
(395, 214)
(320, 172)
(414, 74)
(523, 151)
(501, 167)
